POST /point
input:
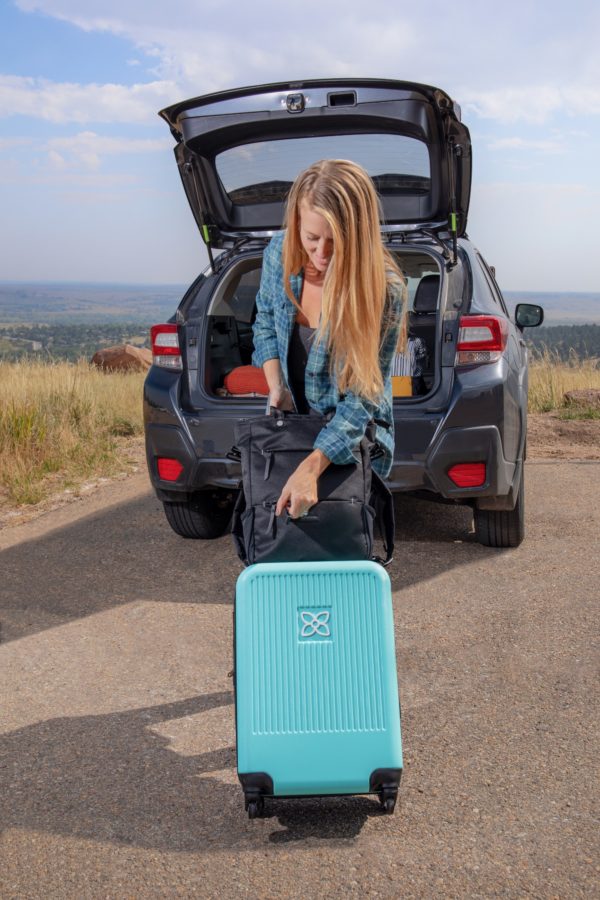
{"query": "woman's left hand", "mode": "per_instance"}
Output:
(299, 493)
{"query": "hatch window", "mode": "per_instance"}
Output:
(264, 172)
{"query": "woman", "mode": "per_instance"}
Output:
(328, 321)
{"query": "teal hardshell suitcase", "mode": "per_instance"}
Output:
(317, 708)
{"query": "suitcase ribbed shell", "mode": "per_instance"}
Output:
(317, 696)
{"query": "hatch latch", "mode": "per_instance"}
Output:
(295, 103)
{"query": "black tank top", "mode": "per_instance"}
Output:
(300, 344)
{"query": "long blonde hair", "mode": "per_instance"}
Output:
(355, 308)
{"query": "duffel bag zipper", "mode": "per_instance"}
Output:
(268, 455)
(270, 504)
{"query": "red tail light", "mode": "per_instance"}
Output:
(165, 347)
(168, 469)
(467, 474)
(481, 339)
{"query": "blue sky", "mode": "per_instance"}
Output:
(89, 188)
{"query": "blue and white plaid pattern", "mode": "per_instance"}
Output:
(272, 332)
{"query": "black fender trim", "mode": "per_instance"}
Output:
(505, 502)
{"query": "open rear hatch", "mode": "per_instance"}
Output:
(239, 151)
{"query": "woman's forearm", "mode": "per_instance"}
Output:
(274, 375)
(315, 463)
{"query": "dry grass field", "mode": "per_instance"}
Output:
(62, 424)
(550, 379)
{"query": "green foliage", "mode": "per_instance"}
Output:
(68, 342)
(587, 412)
(566, 342)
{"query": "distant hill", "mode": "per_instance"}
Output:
(559, 308)
(73, 340)
(86, 303)
(72, 303)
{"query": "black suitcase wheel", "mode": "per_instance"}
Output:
(255, 807)
(387, 798)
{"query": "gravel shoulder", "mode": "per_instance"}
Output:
(551, 437)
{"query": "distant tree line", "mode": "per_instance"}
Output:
(565, 341)
(71, 342)
(68, 342)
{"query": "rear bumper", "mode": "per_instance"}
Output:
(426, 446)
(458, 445)
(199, 472)
(199, 441)
(461, 445)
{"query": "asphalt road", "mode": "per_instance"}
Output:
(117, 765)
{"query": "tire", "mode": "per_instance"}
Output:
(502, 527)
(204, 517)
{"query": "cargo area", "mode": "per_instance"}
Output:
(228, 343)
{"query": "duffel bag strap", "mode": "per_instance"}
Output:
(383, 502)
(236, 527)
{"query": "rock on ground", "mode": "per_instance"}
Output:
(123, 358)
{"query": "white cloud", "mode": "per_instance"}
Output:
(57, 173)
(532, 103)
(56, 160)
(208, 44)
(517, 143)
(504, 73)
(532, 64)
(513, 104)
(67, 102)
(7, 143)
(87, 148)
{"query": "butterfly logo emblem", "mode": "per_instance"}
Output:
(315, 623)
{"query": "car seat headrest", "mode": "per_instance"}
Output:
(426, 294)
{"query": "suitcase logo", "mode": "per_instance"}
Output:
(315, 624)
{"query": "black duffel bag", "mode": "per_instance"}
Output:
(338, 527)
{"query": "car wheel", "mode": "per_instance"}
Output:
(205, 516)
(502, 527)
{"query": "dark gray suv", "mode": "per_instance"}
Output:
(461, 423)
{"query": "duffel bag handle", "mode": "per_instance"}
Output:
(275, 413)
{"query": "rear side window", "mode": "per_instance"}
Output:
(491, 281)
(414, 267)
(239, 296)
(264, 172)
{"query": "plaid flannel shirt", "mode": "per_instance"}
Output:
(272, 332)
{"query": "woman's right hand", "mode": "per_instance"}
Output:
(281, 398)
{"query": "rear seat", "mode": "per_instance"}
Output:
(422, 319)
